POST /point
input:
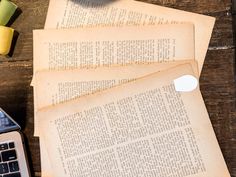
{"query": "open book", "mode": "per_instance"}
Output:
(144, 127)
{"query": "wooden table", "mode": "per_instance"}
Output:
(217, 79)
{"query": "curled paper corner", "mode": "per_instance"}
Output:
(186, 83)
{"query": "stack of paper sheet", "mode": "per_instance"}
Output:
(116, 91)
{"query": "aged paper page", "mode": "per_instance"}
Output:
(79, 48)
(92, 13)
(142, 128)
(60, 86)
(46, 169)
(64, 85)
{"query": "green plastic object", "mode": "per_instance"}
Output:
(7, 9)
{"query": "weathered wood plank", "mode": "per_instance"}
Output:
(197, 6)
(218, 90)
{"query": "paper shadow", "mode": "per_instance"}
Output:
(13, 44)
(14, 17)
(93, 3)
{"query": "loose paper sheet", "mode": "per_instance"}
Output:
(46, 169)
(143, 127)
(60, 86)
(92, 13)
(79, 48)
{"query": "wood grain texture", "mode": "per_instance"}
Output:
(217, 79)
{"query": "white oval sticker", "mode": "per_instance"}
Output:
(186, 83)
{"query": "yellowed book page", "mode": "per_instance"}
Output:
(53, 87)
(143, 127)
(60, 86)
(82, 13)
(46, 169)
(79, 48)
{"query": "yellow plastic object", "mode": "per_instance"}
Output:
(6, 36)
